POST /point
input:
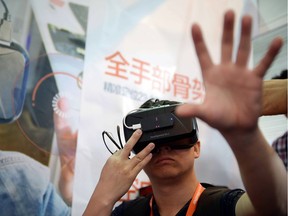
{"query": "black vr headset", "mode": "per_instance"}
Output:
(161, 126)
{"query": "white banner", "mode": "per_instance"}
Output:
(136, 50)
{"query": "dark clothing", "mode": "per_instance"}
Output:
(215, 200)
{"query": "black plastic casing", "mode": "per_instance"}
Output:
(160, 125)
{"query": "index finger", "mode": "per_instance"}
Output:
(201, 49)
(131, 143)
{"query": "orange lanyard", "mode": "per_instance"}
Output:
(193, 203)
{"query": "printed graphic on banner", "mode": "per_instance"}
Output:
(50, 119)
(151, 76)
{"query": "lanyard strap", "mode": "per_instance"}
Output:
(193, 203)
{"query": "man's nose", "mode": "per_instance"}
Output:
(163, 149)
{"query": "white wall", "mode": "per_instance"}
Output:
(272, 18)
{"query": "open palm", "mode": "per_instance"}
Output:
(233, 91)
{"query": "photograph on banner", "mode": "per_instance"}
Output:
(137, 51)
(53, 34)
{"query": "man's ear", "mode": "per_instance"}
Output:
(196, 148)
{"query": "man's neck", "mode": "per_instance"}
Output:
(171, 195)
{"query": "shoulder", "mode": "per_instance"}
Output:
(8, 158)
(218, 200)
(138, 206)
(19, 164)
(23, 178)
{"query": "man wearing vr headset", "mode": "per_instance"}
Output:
(232, 105)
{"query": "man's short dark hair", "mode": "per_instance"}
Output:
(157, 103)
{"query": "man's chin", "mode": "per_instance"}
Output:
(163, 173)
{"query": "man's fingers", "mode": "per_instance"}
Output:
(143, 157)
(268, 58)
(131, 143)
(190, 110)
(201, 49)
(245, 42)
(227, 37)
(143, 163)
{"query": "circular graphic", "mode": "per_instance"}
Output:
(54, 95)
(60, 104)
